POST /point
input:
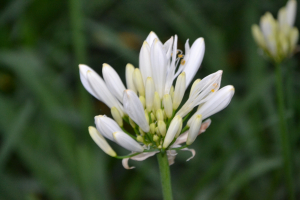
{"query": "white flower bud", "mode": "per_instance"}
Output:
(129, 77)
(138, 82)
(179, 90)
(194, 129)
(162, 127)
(159, 114)
(258, 36)
(150, 90)
(172, 130)
(167, 102)
(143, 101)
(101, 142)
(117, 116)
(156, 102)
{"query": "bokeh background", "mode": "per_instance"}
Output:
(45, 149)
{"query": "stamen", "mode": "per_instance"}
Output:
(182, 62)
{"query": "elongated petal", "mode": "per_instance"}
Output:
(127, 142)
(83, 69)
(159, 67)
(195, 59)
(100, 89)
(202, 92)
(291, 8)
(168, 47)
(129, 77)
(151, 37)
(192, 151)
(113, 81)
(134, 108)
(106, 126)
(194, 129)
(145, 62)
(217, 103)
(171, 156)
(172, 130)
(101, 142)
(171, 69)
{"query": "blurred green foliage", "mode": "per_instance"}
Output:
(46, 152)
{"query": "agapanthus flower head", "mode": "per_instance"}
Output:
(151, 103)
(278, 38)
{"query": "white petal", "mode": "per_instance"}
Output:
(171, 69)
(267, 24)
(134, 108)
(144, 156)
(217, 103)
(159, 67)
(145, 62)
(151, 37)
(194, 60)
(129, 77)
(291, 9)
(171, 156)
(101, 142)
(127, 142)
(282, 16)
(168, 47)
(83, 77)
(113, 81)
(106, 126)
(192, 151)
(202, 92)
(125, 164)
(100, 89)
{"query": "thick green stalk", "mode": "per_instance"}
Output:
(285, 144)
(165, 175)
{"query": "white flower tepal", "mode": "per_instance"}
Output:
(127, 142)
(134, 108)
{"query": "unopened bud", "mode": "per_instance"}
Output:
(142, 99)
(162, 127)
(179, 90)
(138, 82)
(140, 138)
(129, 77)
(116, 115)
(172, 91)
(101, 142)
(155, 138)
(152, 128)
(175, 125)
(194, 129)
(159, 114)
(147, 116)
(152, 117)
(156, 102)
(150, 90)
(168, 107)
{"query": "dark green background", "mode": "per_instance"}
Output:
(46, 151)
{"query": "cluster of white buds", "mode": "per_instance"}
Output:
(151, 104)
(278, 38)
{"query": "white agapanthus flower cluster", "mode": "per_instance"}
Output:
(278, 38)
(151, 104)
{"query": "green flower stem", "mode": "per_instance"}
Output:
(165, 175)
(285, 144)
